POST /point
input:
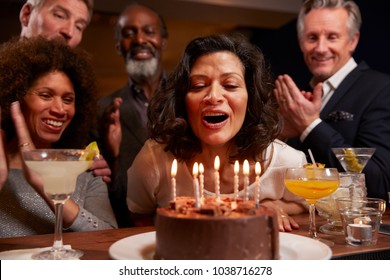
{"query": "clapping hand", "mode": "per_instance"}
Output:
(113, 131)
(298, 108)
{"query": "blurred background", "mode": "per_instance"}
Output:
(270, 24)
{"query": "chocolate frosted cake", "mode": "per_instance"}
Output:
(217, 231)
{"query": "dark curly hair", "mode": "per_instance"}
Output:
(168, 121)
(24, 61)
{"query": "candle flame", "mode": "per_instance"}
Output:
(246, 167)
(257, 168)
(201, 168)
(174, 168)
(195, 169)
(236, 167)
(216, 163)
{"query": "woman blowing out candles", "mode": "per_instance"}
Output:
(47, 101)
(217, 102)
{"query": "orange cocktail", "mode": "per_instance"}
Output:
(311, 189)
(312, 184)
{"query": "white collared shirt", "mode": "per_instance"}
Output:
(328, 88)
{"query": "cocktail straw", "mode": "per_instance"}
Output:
(312, 158)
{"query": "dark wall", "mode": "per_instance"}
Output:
(9, 20)
(374, 46)
(281, 46)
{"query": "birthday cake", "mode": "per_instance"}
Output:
(219, 229)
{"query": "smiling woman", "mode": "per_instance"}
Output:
(217, 102)
(47, 99)
(49, 107)
(48, 73)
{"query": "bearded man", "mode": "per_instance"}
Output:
(141, 37)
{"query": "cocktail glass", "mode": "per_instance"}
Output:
(59, 169)
(312, 184)
(353, 159)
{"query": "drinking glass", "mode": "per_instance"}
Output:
(352, 185)
(361, 219)
(59, 169)
(312, 184)
(353, 159)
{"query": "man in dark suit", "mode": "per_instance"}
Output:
(350, 103)
(141, 37)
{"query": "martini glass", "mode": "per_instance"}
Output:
(312, 184)
(353, 159)
(59, 169)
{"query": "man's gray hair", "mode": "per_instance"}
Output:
(354, 16)
(89, 3)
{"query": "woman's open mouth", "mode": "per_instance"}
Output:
(215, 120)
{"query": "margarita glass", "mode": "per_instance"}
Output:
(59, 169)
(312, 184)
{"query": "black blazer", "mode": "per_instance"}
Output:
(134, 134)
(357, 115)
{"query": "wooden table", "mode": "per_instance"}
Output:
(96, 244)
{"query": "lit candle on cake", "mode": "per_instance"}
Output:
(236, 182)
(201, 180)
(196, 185)
(246, 179)
(257, 171)
(173, 179)
(216, 177)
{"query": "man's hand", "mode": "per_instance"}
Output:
(100, 168)
(113, 130)
(298, 108)
(288, 130)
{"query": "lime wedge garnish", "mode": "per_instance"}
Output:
(91, 151)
